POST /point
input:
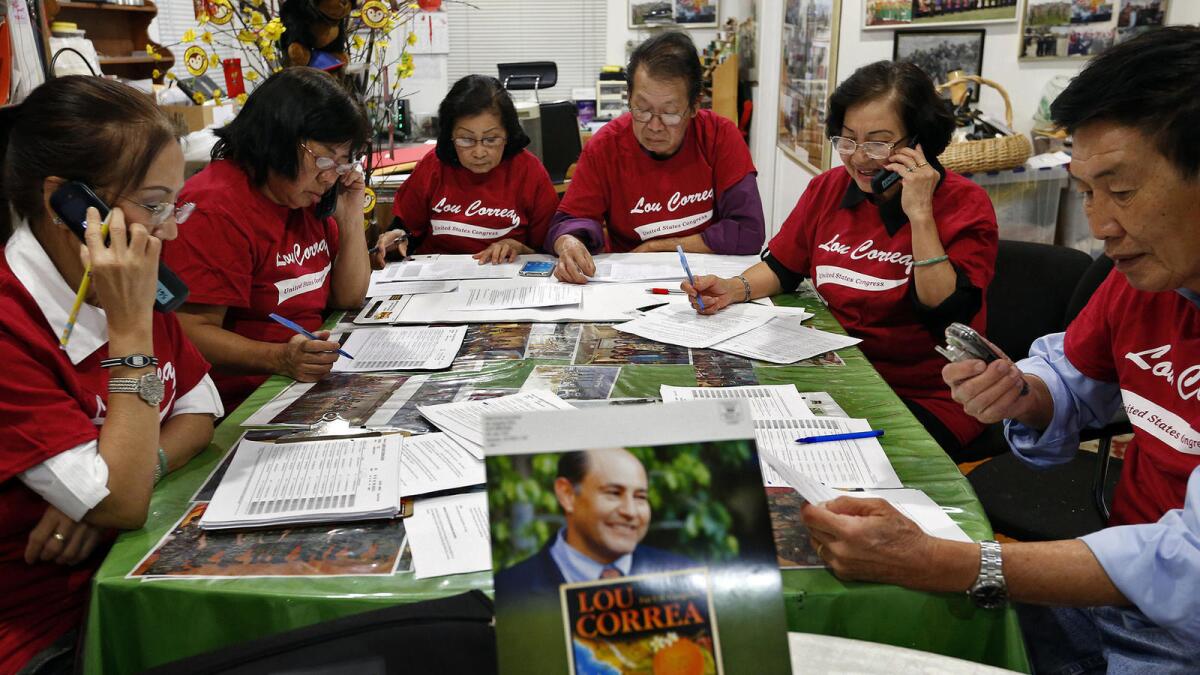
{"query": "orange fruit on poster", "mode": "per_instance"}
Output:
(682, 657)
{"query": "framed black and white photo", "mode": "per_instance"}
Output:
(942, 51)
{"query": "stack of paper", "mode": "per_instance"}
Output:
(852, 463)
(463, 421)
(450, 535)
(783, 340)
(516, 297)
(433, 462)
(767, 401)
(678, 324)
(434, 267)
(312, 482)
(401, 348)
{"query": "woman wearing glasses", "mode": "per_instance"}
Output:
(480, 192)
(896, 268)
(262, 240)
(666, 174)
(89, 426)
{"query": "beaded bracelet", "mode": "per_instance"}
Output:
(746, 284)
(931, 261)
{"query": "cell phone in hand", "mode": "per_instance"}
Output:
(537, 268)
(963, 344)
(328, 204)
(71, 202)
(886, 179)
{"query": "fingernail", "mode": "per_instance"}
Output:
(1003, 367)
(980, 366)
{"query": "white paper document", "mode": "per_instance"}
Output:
(784, 341)
(433, 462)
(767, 401)
(627, 272)
(383, 310)
(518, 297)
(450, 535)
(382, 285)
(679, 324)
(401, 348)
(857, 463)
(310, 482)
(444, 267)
(464, 419)
(811, 489)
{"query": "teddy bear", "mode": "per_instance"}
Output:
(315, 32)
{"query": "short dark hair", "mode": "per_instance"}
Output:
(294, 105)
(83, 128)
(574, 466)
(925, 114)
(670, 55)
(474, 95)
(1150, 83)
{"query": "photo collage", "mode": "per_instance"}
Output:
(1055, 29)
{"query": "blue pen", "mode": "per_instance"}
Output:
(688, 271)
(874, 433)
(300, 329)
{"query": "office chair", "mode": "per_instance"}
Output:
(447, 635)
(528, 75)
(560, 138)
(1053, 504)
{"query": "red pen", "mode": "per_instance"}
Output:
(664, 291)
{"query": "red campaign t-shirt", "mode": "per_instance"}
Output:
(255, 257)
(452, 210)
(1149, 343)
(49, 406)
(617, 182)
(865, 274)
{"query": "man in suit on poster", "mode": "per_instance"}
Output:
(603, 496)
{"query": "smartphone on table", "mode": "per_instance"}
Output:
(537, 268)
(71, 202)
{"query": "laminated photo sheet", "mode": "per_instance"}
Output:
(380, 310)
(354, 397)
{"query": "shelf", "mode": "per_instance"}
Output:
(106, 6)
(123, 60)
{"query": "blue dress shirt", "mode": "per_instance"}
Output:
(577, 567)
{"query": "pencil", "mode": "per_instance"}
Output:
(81, 295)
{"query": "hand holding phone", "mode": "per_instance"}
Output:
(71, 202)
(886, 179)
(963, 343)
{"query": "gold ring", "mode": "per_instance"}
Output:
(922, 164)
(59, 536)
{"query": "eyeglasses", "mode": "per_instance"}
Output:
(644, 116)
(329, 164)
(465, 142)
(160, 212)
(873, 149)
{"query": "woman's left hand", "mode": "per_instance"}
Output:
(919, 181)
(350, 203)
(56, 537)
(503, 251)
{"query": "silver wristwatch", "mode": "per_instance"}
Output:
(989, 590)
(148, 387)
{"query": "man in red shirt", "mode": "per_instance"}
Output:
(664, 175)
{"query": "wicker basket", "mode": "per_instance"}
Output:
(989, 154)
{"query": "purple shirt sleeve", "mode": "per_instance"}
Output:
(739, 228)
(589, 231)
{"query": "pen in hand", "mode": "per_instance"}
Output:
(688, 270)
(300, 329)
(398, 240)
(873, 433)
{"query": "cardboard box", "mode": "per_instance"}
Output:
(198, 117)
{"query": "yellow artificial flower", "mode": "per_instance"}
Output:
(383, 44)
(206, 37)
(217, 93)
(150, 49)
(157, 56)
(198, 98)
(189, 35)
(276, 69)
(273, 30)
(156, 73)
(170, 75)
(247, 36)
(357, 41)
(355, 14)
(241, 98)
(412, 39)
(251, 75)
(214, 60)
(406, 59)
(203, 18)
(257, 20)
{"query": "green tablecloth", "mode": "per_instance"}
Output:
(134, 624)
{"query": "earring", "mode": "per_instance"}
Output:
(56, 220)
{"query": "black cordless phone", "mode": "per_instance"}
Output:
(886, 179)
(71, 202)
(329, 200)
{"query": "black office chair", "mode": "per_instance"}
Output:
(1053, 504)
(448, 635)
(560, 138)
(1028, 298)
(528, 75)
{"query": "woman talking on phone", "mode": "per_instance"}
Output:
(895, 266)
(87, 427)
(278, 229)
(480, 192)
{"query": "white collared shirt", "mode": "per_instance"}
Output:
(76, 480)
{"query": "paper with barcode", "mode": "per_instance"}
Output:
(767, 401)
(856, 463)
(400, 348)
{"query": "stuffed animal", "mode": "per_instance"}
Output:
(315, 32)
